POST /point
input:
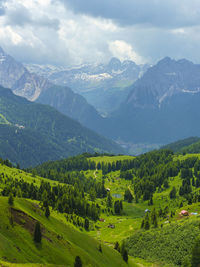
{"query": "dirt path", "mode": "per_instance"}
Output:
(95, 176)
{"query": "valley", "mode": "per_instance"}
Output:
(125, 200)
(99, 133)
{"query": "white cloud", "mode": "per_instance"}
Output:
(50, 31)
(124, 51)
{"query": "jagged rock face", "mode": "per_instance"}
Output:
(162, 106)
(162, 81)
(104, 86)
(10, 70)
(30, 86)
(79, 78)
(15, 76)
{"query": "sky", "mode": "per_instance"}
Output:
(73, 32)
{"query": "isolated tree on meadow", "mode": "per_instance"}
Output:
(78, 262)
(10, 199)
(37, 233)
(117, 246)
(125, 255)
(100, 248)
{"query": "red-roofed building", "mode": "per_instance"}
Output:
(184, 213)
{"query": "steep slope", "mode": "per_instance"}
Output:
(34, 87)
(63, 135)
(73, 105)
(163, 105)
(61, 240)
(180, 145)
(15, 76)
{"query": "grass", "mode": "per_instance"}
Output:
(61, 242)
(79, 242)
(110, 159)
(3, 120)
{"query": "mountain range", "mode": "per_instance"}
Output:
(104, 86)
(162, 106)
(32, 133)
(34, 87)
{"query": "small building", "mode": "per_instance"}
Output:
(194, 213)
(108, 189)
(112, 226)
(184, 213)
(102, 220)
(147, 210)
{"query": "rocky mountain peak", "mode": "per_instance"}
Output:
(114, 63)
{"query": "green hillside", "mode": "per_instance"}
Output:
(184, 145)
(61, 240)
(61, 243)
(131, 203)
(43, 133)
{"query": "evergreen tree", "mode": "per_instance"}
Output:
(117, 246)
(128, 196)
(125, 255)
(196, 254)
(10, 199)
(172, 193)
(78, 262)
(154, 218)
(86, 224)
(146, 222)
(37, 233)
(142, 224)
(100, 248)
(117, 207)
(109, 200)
(47, 212)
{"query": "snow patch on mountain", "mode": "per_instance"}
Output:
(94, 77)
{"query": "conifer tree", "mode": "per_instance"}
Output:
(146, 222)
(117, 246)
(10, 199)
(78, 262)
(100, 248)
(86, 224)
(47, 212)
(109, 200)
(37, 233)
(125, 255)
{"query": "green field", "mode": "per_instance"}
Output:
(110, 159)
(60, 244)
(62, 241)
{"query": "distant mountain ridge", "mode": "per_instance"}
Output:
(162, 106)
(32, 133)
(103, 85)
(15, 76)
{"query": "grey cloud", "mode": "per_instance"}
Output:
(2, 7)
(21, 16)
(170, 13)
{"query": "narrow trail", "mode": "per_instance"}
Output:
(129, 187)
(95, 176)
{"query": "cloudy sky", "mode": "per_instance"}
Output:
(70, 32)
